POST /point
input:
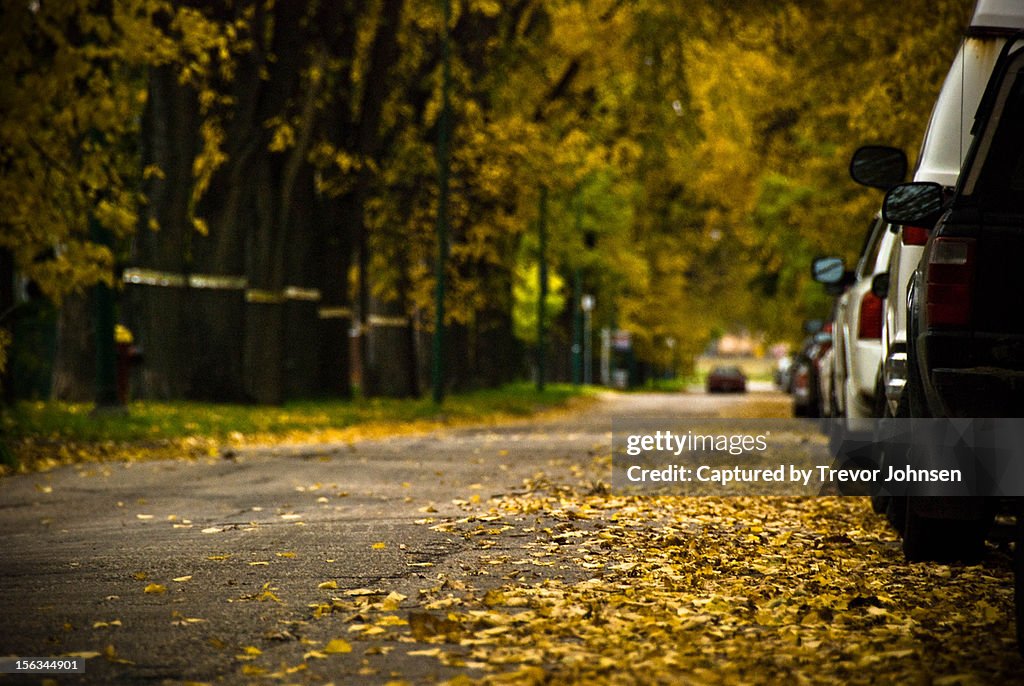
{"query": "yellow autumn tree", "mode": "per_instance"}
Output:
(72, 89)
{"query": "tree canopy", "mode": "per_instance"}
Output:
(241, 152)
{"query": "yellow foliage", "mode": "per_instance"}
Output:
(283, 136)
(68, 114)
(707, 144)
(210, 157)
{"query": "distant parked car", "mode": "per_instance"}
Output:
(826, 359)
(727, 380)
(782, 375)
(856, 384)
(807, 372)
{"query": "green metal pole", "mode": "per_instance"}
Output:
(577, 328)
(437, 369)
(542, 277)
(577, 308)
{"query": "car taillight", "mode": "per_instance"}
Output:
(914, 235)
(870, 324)
(950, 274)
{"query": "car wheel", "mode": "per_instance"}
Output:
(880, 502)
(941, 540)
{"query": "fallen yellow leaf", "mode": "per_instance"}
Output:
(267, 595)
(337, 646)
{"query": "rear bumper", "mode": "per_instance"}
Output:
(974, 375)
(978, 391)
(727, 387)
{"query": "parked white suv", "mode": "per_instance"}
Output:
(943, 149)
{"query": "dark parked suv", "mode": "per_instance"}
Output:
(965, 316)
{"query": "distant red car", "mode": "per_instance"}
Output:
(727, 380)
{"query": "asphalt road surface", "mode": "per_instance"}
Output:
(177, 571)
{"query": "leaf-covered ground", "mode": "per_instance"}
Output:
(353, 565)
(582, 586)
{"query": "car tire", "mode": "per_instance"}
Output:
(933, 538)
(929, 539)
(880, 502)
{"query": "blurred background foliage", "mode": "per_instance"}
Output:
(694, 155)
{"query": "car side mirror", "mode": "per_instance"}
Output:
(813, 326)
(914, 204)
(828, 270)
(880, 285)
(878, 166)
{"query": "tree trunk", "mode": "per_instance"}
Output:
(390, 368)
(218, 300)
(301, 351)
(157, 306)
(499, 354)
(7, 303)
(238, 332)
(74, 367)
(331, 264)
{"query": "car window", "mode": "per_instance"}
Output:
(868, 235)
(869, 256)
(996, 178)
(872, 257)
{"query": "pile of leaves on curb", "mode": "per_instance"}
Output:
(628, 590)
